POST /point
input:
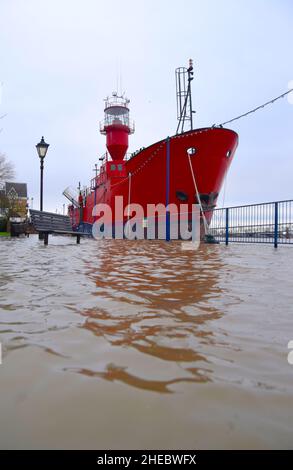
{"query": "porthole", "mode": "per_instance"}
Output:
(182, 196)
(229, 153)
(191, 151)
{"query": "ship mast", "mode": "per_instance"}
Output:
(184, 77)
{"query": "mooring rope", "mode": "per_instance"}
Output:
(129, 195)
(129, 199)
(205, 224)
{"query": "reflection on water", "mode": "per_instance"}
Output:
(162, 306)
(149, 318)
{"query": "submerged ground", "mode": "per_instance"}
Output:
(120, 344)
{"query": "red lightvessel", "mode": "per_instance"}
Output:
(186, 168)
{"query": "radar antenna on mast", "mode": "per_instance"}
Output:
(184, 77)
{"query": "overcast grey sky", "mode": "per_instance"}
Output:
(60, 58)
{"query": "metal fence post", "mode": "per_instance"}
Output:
(276, 225)
(227, 227)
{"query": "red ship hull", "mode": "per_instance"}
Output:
(214, 149)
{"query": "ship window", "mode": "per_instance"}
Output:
(113, 167)
(228, 154)
(119, 167)
(181, 195)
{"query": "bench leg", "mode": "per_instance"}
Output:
(46, 238)
(78, 239)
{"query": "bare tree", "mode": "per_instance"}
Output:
(6, 169)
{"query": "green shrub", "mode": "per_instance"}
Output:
(3, 225)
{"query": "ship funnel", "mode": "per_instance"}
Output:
(72, 195)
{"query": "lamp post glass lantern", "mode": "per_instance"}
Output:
(42, 148)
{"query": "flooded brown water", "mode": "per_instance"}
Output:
(119, 344)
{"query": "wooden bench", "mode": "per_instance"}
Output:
(46, 223)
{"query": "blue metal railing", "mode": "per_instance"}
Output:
(269, 222)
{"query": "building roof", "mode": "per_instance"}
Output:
(19, 188)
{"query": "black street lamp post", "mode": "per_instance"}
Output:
(42, 148)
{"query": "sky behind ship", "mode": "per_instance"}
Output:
(65, 56)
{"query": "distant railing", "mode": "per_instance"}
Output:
(270, 222)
